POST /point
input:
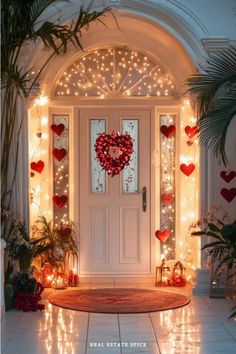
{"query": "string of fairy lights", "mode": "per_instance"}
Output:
(167, 184)
(115, 72)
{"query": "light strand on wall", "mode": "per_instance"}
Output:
(37, 154)
(189, 246)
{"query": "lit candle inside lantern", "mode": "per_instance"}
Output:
(59, 283)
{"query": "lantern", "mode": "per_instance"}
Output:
(178, 275)
(72, 278)
(47, 275)
(59, 281)
(162, 274)
(72, 270)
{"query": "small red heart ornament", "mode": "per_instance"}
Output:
(59, 201)
(121, 144)
(191, 131)
(228, 194)
(227, 176)
(59, 154)
(167, 198)
(57, 129)
(163, 235)
(37, 166)
(187, 169)
(168, 131)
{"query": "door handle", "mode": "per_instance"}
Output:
(144, 199)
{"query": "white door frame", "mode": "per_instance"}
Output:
(157, 107)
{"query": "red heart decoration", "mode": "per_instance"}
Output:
(227, 176)
(187, 169)
(113, 165)
(228, 194)
(163, 235)
(58, 129)
(59, 201)
(191, 131)
(37, 166)
(59, 154)
(167, 198)
(168, 131)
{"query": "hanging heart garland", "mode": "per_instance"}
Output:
(168, 131)
(227, 176)
(57, 128)
(187, 169)
(167, 198)
(191, 131)
(163, 235)
(59, 154)
(59, 201)
(105, 142)
(228, 194)
(37, 166)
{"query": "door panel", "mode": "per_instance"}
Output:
(114, 230)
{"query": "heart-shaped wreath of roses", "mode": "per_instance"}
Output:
(113, 165)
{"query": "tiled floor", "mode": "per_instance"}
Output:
(200, 327)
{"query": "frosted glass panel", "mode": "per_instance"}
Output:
(98, 178)
(130, 173)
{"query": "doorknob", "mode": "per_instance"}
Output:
(144, 199)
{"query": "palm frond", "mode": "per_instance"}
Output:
(213, 94)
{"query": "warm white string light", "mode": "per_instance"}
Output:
(115, 72)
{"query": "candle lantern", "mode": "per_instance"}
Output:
(162, 274)
(72, 278)
(72, 270)
(59, 281)
(178, 275)
(47, 275)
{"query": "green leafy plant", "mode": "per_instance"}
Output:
(223, 247)
(21, 249)
(63, 238)
(24, 24)
(213, 94)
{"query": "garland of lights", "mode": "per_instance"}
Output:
(113, 165)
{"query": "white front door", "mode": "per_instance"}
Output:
(114, 222)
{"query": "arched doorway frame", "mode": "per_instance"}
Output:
(180, 69)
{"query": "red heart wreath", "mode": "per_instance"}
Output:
(104, 142)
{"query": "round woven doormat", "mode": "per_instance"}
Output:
(118, 300)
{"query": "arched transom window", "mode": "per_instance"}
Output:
(115, 72)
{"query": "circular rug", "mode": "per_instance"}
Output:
(118, 300)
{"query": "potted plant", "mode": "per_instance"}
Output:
(63, 238)
(21, 250)
(222, 246)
